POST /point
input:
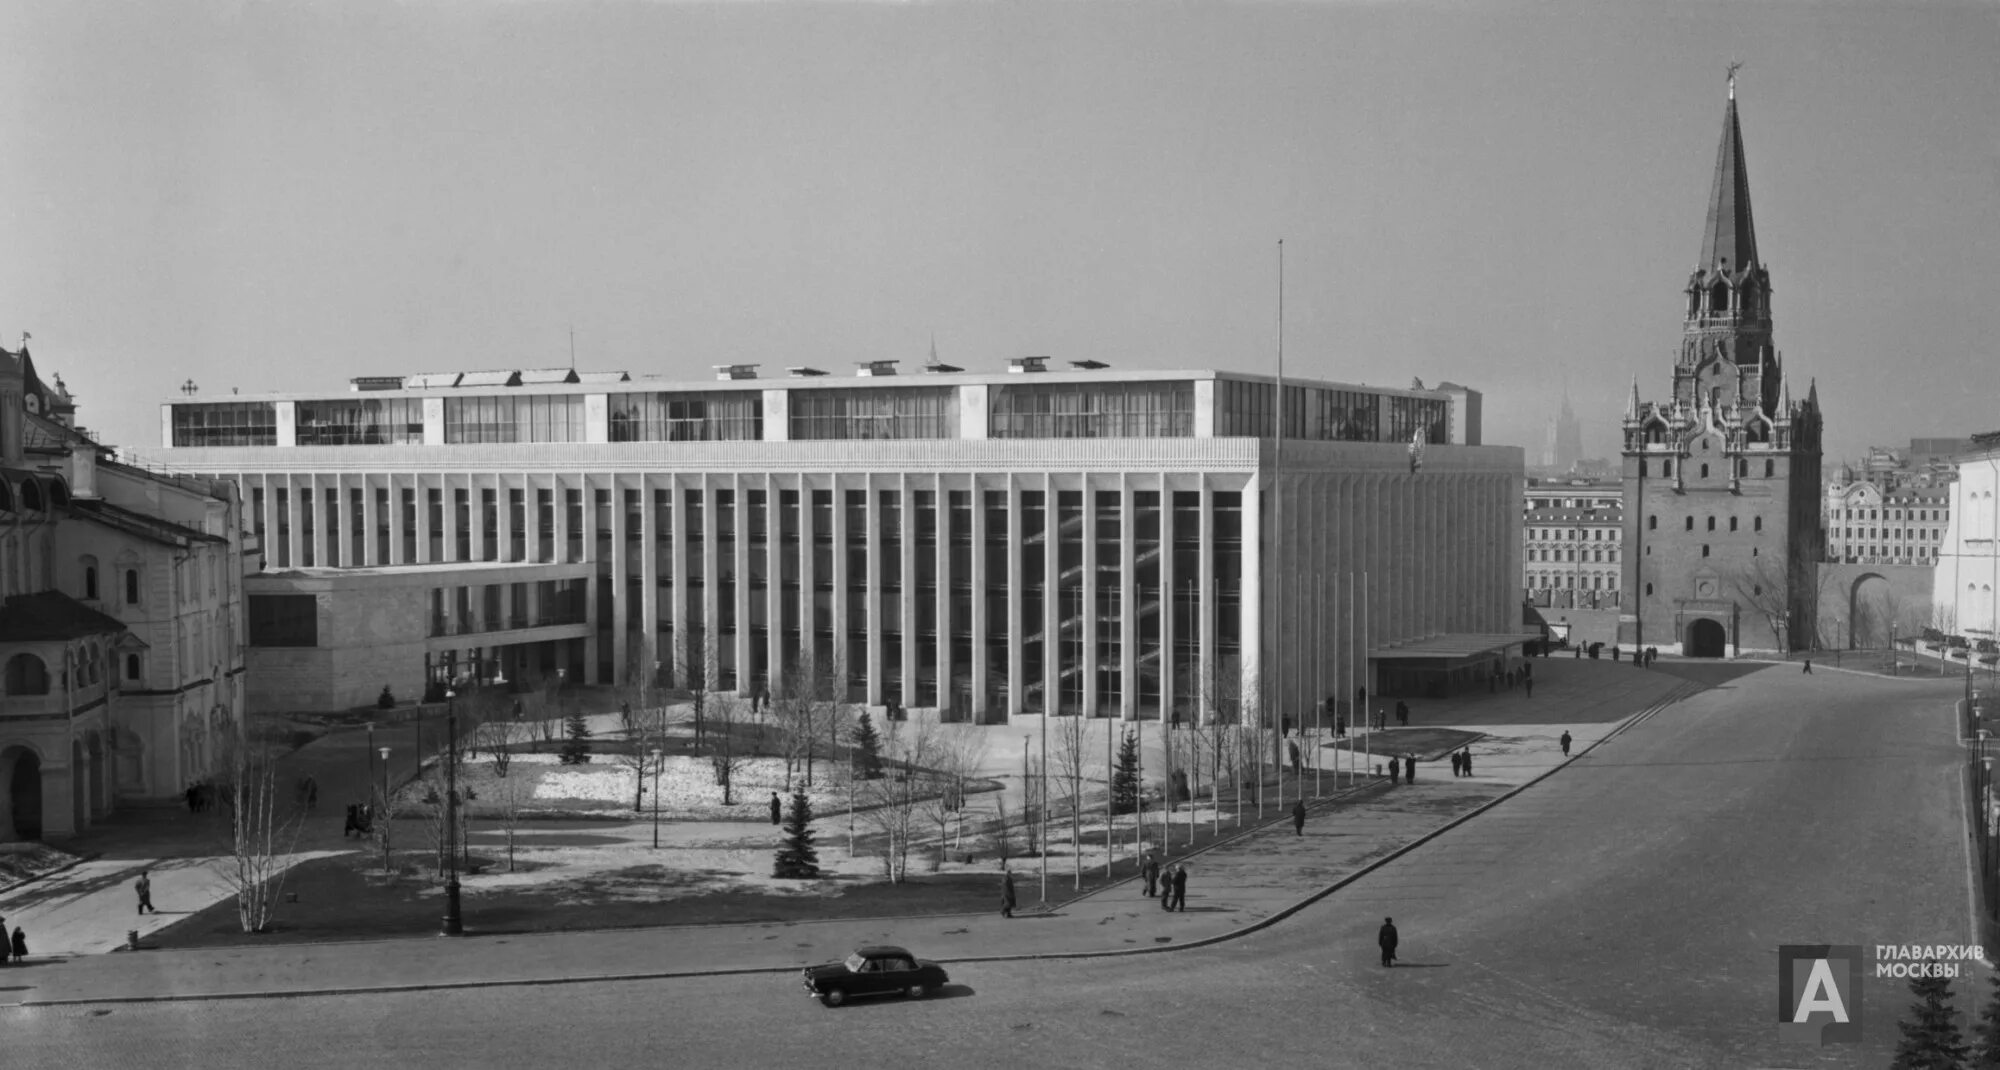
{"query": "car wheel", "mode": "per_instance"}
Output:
(916, 991)
(834, 997)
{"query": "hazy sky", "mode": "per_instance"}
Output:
(282, 196)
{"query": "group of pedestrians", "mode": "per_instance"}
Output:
(1401, 769)
(17, 949)
(1169, 882)
(1461, 762)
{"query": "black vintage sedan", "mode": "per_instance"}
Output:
(874, 971)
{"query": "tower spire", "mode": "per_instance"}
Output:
(1729, 240)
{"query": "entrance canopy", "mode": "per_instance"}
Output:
(1458, 646)
(1443, 664)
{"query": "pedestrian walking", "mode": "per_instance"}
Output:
(1465, 761)
(1395, 771)
(1299, 817)
(144, 886)
(1150, 871)
(1180, 886)
(1565, 743)
(1167, 886)
(1006, 893)
(20, 945)
(1385, 938)
(1808, 666)
(1402, 713)
(1528, 686)
(776, 810)
(1410, 769)
(1454, 763)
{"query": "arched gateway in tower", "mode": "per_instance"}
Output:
(1722, 525)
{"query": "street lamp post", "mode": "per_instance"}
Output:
(659, 759)
(454, 925)
(384, 815)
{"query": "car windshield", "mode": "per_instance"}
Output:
(855, 962)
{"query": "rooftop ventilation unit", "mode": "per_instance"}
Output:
(377, 382)
(866, 368)
(1025, 365)
(803, 372)
(1088, 365)
(736, 371)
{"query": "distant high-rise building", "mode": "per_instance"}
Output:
(1562, 447)
(1722, 482)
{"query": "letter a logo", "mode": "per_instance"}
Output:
(1819, 994)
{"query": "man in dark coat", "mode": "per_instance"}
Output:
(1465, 761)
(1150, 871)
(1006, 893)
(1410, 769)
(776, 809)
(1299, 817)
(1454, 763)
(144, 886)
(1180, 886)
(1402, 712)
(1565, 743)
(1528, 686)
(1395, 770)
(1386, 939)
(1167, 886)
(1808, 666)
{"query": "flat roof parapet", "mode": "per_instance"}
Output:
(736, 371)
(1023, 365)
(867, 368)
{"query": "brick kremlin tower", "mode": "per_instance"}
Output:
(1722, 482)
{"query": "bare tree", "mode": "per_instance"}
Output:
(263, 833)
(508, 797)
(957, 750)
(726, 753)
(1070, 739)
(808, 712)
(697, 668)
(893, 801)
(647, 719)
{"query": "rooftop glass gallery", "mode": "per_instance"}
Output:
(1066, 406)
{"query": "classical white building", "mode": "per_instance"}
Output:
(1968, 563)
(1108, 543)
(1571, 534)
(120, 620)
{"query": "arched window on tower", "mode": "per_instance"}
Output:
(1769, 467)
(1718, 297)
(89, 578)
(1704, 469)
(1666, 468)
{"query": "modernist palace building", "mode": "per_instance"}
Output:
(1099, 542)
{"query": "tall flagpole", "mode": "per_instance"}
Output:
(1319, 679)
(1278, 574)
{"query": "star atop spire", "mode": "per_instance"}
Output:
(1729, 240)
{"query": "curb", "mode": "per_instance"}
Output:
(1280, 915)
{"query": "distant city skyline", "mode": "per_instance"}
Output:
(270, 198)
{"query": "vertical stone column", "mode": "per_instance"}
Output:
(1087, 620)
(908, 549)
(588, 494)
(371, 521)
(942, 495)
(1204, 610)
(774, 581)
(680, 658)
(1128, 600)
(842, 657)
(1015, 623)
(741, 550)
(1051, 597)
(980, 661)
(874, 668)
(711, 584)
(1254, 654)
(620, 609)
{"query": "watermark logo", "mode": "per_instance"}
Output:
(1819, 993)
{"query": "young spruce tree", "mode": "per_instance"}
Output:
(797, 858)
(1931, 1038)
(867, 750)
(1125, 776)
(576, 739)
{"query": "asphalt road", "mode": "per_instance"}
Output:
(1623, 913)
